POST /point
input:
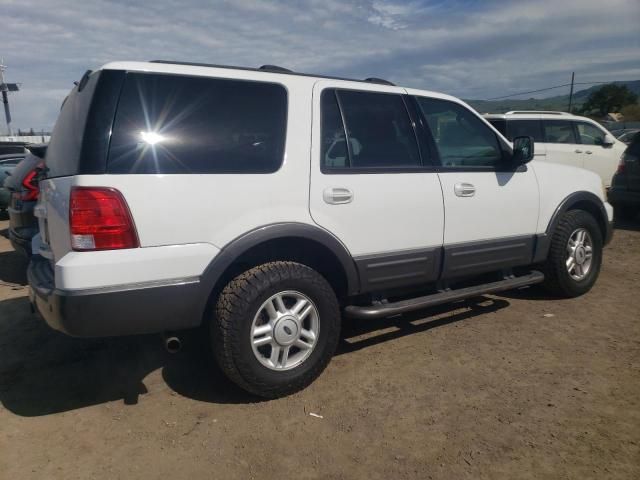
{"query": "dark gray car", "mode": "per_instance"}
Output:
(624, 194)
(24, 191)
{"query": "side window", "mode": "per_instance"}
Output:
(461, 137)
(558, 131)
(181, 124)
(334, 153)
(525, 128)
(378, 129)
(590, 134)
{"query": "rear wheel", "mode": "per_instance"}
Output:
(575, 255)
(275, 328)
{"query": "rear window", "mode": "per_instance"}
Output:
(499, 124)
(525, 128)
(64, 151)
(180, 124)
(8, 148)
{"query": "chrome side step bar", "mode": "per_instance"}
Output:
(382, 310)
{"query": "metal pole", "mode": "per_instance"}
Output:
(7, 113)
(5, 97)
(573, 74)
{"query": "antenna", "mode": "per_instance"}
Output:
(5, 88)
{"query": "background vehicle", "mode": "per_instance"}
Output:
(23, 188)
(624, 194)
(7, 164)
(8, 148)
(621, 131)
(565, 138)
(627, 137)
(303, 195)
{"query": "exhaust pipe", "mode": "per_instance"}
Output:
(172, 343)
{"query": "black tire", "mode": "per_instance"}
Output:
(235, 310)
(558, 281)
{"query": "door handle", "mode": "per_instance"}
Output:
(588, 152)
(337, 196)
(464, 190)
(578, 150)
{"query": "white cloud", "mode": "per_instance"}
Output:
(472, 49)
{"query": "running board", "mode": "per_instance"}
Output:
(382, 310)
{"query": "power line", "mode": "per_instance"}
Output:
(545, 89)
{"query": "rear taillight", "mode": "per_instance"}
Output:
(100, 220)
(30, 183)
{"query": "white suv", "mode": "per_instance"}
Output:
(263, 204)
(565, 138)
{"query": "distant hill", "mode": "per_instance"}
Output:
(560, 102)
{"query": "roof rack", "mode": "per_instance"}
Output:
(381, 81)
(275, 68)
(272, 69)
(528, 112)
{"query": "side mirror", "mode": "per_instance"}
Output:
(608, 140)
(522, 150)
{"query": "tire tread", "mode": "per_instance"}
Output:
(226, 325)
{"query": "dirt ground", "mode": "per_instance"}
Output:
(511, 386)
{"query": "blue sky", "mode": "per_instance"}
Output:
(472, 49)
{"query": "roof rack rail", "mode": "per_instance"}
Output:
(381, 81)
(526, 112)
(275, 68)
(272, 69)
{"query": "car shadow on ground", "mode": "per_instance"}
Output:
(44, 372)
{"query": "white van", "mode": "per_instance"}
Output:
(565, 138)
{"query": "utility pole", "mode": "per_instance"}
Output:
(573, 75)
(5, 88)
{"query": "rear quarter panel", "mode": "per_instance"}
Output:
(176, 209)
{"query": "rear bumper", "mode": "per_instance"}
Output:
(21, 240)
(5, 196)
(103, 312)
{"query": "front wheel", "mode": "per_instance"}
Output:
(575, 255)
(275, 328)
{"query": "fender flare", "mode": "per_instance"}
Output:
(234, 249)
(543, 242)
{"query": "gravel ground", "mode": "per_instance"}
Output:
(512, 386)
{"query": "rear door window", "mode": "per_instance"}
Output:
(334, 151)
(525, 128)
(558, 131)
(378, 128)
(181, 124)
